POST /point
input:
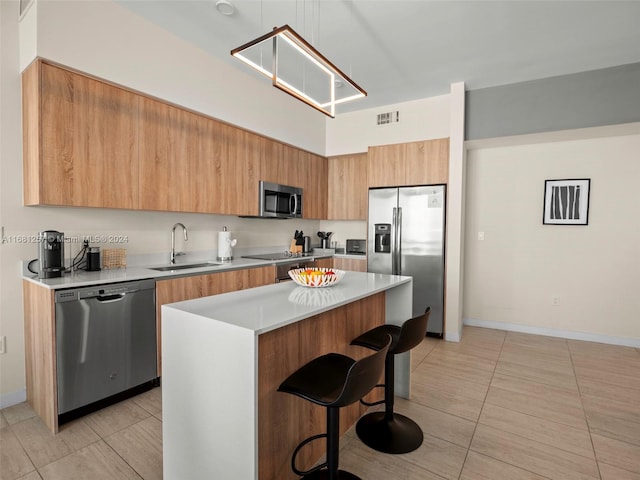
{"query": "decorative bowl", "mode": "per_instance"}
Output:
(316, 277)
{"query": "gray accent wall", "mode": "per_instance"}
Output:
(609, 96)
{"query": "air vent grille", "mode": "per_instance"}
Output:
(388, 118)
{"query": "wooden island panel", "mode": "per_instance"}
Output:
(285, 420)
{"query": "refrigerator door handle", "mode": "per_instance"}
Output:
(398, 250)
(394, 242)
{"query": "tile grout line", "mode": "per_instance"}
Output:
(526, 438)
(475, 428)
(575, 375)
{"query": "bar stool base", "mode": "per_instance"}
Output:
(396, 435)
(324, 475)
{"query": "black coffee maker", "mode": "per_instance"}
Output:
(51, 254)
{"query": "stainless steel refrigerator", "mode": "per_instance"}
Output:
(405, 236)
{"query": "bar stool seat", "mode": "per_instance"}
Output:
(333, 381)
(387, 431)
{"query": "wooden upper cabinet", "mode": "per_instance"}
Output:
(271, 161)
(287, 165)
(416, 163)
(92, 144)
(347, 187)
(240, 172)
(207, 167)
(169, 140)
(80, 140)
(313, 171)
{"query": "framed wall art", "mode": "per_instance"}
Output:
(566, 202)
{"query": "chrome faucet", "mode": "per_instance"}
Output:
(173, 241)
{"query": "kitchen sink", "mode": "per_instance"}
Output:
(170, 268)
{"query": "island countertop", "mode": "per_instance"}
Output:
(266, 308)
(225, 355)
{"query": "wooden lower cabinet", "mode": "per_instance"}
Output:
(196, 286)
(40, 327)
(40, 352)
(324, 262)
(353, 264)
(285, 420)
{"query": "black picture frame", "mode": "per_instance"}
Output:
(566, 201)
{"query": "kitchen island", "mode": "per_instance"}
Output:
(225, 355)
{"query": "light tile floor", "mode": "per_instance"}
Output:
(495, 406)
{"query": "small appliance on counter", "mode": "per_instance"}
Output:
(225, 245)
(50, 254)
(356, 247)
(324, 239)
(93, 259)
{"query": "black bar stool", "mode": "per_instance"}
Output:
(333, 381)
(390, 432)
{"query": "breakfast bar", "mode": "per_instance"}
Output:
(225, 355)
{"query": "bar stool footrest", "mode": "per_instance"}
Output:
(397, 434)
(324, 475)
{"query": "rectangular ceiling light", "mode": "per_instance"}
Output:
(298, 69)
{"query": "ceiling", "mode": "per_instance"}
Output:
(400, 50)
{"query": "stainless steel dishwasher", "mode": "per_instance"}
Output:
(105, 341)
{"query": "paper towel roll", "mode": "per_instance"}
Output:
(224, 246)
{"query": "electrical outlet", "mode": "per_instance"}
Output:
(480, 235)
(3, 344)
(555, 301)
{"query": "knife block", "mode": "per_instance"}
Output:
(293, 248)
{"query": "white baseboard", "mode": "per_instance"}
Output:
(550, 332)
(13, 398)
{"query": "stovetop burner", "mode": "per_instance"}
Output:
(277, 256)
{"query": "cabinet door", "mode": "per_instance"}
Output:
(240, 171)
(415, 163)
(324, 262)
(347, 187)
(206, 168)
(187, 288)
(169, 138)
(313, 179)
(427, 162)
(271, 161)
(89, 143)
(353, 264)
(387, 165)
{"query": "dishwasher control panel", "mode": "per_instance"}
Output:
(102, 290)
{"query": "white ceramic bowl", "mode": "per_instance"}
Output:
(304, 277)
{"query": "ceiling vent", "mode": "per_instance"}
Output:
(388, 118)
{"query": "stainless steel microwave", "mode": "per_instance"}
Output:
(280, 201)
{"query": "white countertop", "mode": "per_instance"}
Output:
(263, 309)
(82, 278)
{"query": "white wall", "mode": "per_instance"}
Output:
(425, 119)
(108, 41)
(355, 132)
(594, 270)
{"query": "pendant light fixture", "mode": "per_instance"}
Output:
(298, 69)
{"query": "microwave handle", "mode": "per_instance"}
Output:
(295, 204)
